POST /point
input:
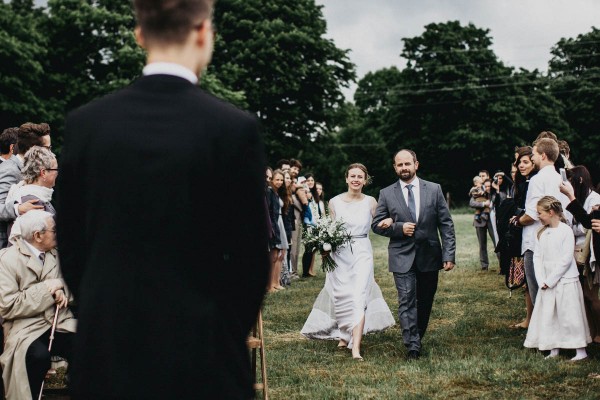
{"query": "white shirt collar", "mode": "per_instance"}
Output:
(33, 250)
(414, 182)
(547, 168)
(168, 68)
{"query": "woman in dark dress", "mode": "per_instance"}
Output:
(526, 170)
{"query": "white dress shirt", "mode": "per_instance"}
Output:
(416, 194)
(167, 68)
(33, 250)
(544, 183)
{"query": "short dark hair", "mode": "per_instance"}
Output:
(295, 163)
(485, 170)
(8, 137)
(30, 135)
(170, 21)
(282, 162)
(412, 153)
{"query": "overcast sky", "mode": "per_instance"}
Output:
(523, 31)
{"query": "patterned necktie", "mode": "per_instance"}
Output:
(42, 257)
(411, 202)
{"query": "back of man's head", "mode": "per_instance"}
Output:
(548, 135)
(8, 138)
(30, 135)
(547, 146)
(168, 22)
(33, 221)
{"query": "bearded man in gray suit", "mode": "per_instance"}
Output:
(411, 212)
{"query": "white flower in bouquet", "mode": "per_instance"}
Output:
(327, 236)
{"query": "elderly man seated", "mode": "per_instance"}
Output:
(31, 287)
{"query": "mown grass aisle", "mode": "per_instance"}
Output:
(469, 352)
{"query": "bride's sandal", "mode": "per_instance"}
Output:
(358, 358)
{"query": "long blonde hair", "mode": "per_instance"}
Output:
(550, 203)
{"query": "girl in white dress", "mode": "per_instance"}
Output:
(558, 320)
(351, 303)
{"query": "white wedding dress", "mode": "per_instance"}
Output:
(350, 290)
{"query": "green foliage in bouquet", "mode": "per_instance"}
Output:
(327, 236)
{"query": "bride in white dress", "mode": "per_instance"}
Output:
(351, 303)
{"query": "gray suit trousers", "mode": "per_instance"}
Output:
(482, 232)
(416, 291)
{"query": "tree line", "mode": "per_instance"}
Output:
(455, 103)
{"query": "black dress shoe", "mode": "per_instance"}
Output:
(413, 355)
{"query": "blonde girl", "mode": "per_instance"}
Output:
(558, 320)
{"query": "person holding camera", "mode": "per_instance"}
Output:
(584, 205)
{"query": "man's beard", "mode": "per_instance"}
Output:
(407, 176)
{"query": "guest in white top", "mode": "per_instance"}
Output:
(545, 183)
(558, 320)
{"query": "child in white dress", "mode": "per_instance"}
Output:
(558, 320)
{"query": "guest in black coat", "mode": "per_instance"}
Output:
(169, 279)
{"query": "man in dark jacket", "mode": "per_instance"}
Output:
(169, 280)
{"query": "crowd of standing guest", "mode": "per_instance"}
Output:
(294, 201)
(546, 234)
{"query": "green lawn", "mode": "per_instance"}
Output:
(468, 353)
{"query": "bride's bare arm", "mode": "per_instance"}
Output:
(331, 211)
(373, 205)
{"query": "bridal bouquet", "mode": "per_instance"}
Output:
(327, 236)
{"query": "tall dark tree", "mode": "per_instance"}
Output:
(23, 52)
(93, 51)
(575, 74)
(291, 75)
(461, 108)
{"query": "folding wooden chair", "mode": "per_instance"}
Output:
(255, 342)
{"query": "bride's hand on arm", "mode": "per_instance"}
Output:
(386, 223)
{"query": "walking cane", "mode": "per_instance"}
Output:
(50, 344)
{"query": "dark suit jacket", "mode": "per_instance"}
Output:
(423, 248)
(168, 269)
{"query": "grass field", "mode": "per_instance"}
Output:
(469, 351)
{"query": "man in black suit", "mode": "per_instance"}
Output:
(168, 266)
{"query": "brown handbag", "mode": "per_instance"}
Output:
(582, 253)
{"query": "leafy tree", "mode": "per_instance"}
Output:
(23, 50)
(575, 74)
(363, 137)
(460, 108)
(291, 75)
(93, 51)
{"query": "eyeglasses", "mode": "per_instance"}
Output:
(51, 169)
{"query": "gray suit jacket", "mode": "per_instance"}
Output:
(423, 248)
(10, 174)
